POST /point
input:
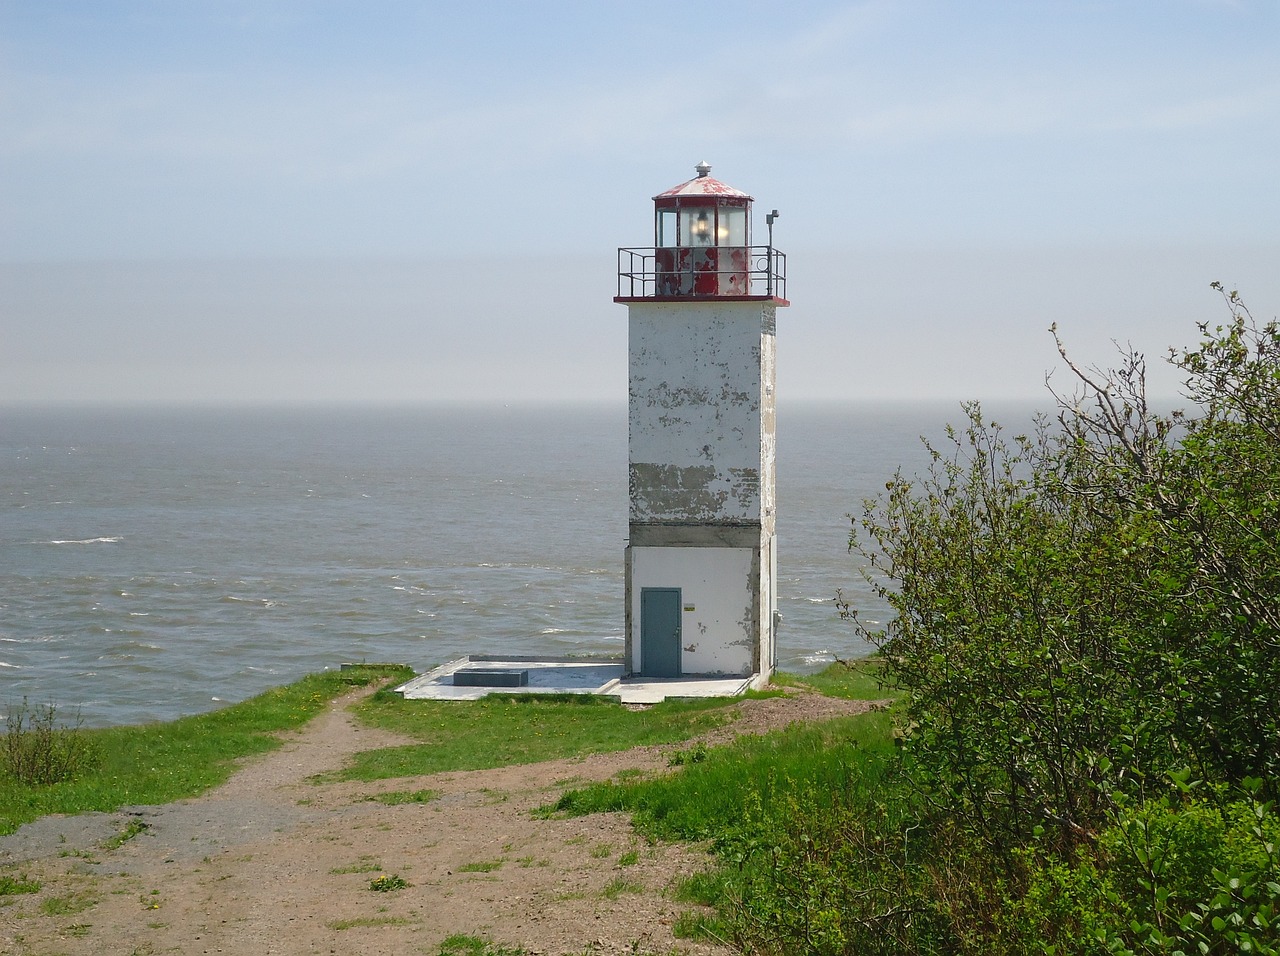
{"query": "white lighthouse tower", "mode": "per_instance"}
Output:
(701, 561)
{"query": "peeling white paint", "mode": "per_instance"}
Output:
(700, 404)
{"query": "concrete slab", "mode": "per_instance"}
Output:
(639, 691)
(566, 675)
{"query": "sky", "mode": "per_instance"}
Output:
(279, 201)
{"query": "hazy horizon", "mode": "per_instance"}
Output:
(235, 203)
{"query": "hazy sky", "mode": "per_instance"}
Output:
(279, 200)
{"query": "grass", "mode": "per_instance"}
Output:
(67, 905)
(481, 866)
(131, 830)
(369, 921)
(507, 729)
(852, 680)
(389, 883)
(704, 798)
(463, 945)
(396, 798)
(159, 763)
(366, 865)
(619, 885)
(14, 885)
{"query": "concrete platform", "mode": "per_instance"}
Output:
(567, 675)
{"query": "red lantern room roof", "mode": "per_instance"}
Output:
(702, 187)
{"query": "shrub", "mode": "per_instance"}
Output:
(1085, 607)
(38, 751)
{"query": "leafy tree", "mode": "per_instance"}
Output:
(1087, 607)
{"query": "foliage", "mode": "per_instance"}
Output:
(1084, 608)
(464, 945)
(388, 883)
(39, 751)
(1177, 874)
(13, 885)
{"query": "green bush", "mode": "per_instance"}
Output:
(39, 751)
(1170, 875)
(1085, 607)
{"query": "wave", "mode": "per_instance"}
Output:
(260, 602)
(112, 539)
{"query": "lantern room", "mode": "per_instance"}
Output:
(702, 247)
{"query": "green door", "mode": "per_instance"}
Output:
(659, 632)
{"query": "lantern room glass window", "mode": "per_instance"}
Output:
(667, 235)
(732, 229)
(701, 226)
(698, 226)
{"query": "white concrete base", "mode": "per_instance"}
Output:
(568, 675)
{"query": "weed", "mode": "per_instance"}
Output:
(38, 751)
(695, 754)
(363, 921)
(481, 866)
(630, 858)
(131, 830)
(365, 865)
(701, 926)
(601, 851)
(395, 798)
(463, 945)
(13, 885)
(79, 930)
(67, 905)
(619, 885)
(388, 883)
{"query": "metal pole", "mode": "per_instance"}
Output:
(768, 221)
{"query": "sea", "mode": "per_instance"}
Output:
(162, 562)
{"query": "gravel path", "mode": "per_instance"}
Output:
(275, 863)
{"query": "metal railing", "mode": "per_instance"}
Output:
(701, 272)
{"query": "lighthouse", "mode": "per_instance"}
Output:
(702, 554)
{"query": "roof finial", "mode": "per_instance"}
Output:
(703, 168)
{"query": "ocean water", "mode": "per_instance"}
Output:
(159, 563)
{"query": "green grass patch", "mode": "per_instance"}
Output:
(361, 922)
(506, 729)
(365, 865)
(852, 680)
(708, 798)
(702, 926)
(481, 866)
(389, 883)
(159, 763)
(463, 945)
(15, 885)
(68, 904)
(620, 885)
(396, 798)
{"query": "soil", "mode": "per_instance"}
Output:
(274, 862)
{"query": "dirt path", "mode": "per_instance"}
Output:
(274, 863)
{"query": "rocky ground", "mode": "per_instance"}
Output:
(274, 862)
